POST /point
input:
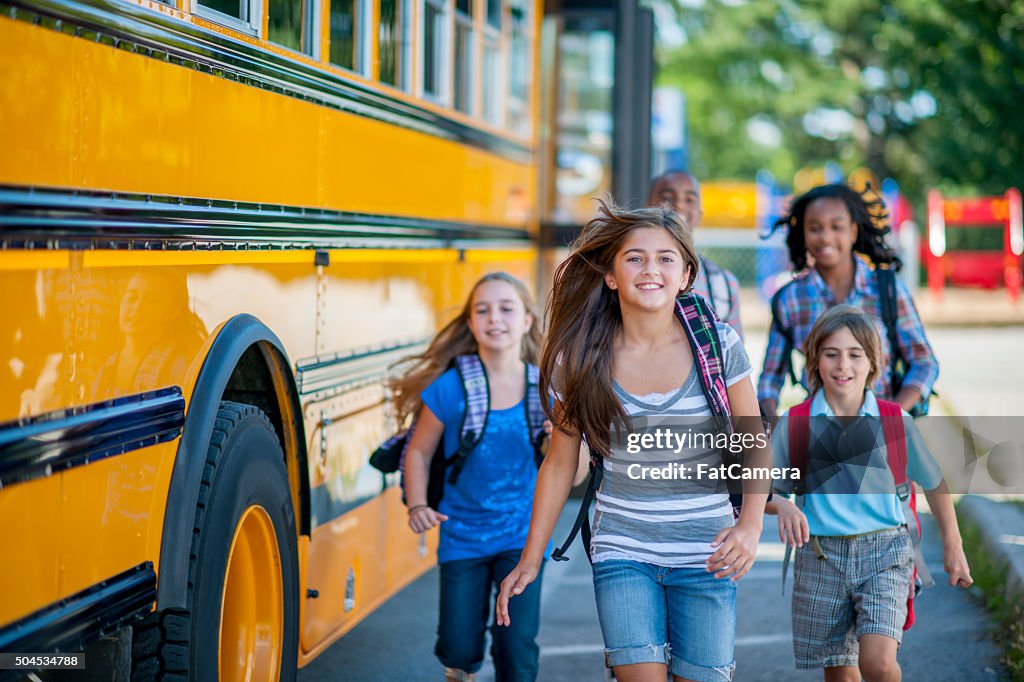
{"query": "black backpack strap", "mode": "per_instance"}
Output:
(890, 313)
(582, 523)
(474, 419)
(787, 334)
(534, 411)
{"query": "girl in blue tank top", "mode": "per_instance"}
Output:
(484, 516)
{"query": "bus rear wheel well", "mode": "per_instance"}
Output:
(262, 378)
(251, 383)
(246, 363)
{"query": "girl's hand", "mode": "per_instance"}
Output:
(548, 426)
(793, 528)
(736, 549)
(513, 584)
(955, 562)
(422, 518)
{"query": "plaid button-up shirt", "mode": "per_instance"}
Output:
(803, 301)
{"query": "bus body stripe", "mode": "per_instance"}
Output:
(45, 444)
(77, 620)
(60, 218)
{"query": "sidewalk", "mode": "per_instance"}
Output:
(1002, 528)
(969, 307)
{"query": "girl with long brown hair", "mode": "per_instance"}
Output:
(617, 356)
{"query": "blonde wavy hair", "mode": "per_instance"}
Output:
(454, 339)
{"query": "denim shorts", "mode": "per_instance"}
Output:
(682, 617)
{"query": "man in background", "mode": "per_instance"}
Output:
(680, 191)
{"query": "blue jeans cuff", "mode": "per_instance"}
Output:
(700, 673)
(648, 653)
(458, 665)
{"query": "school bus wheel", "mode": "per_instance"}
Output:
(243, 565)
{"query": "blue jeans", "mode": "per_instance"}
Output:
(468, 590)
(682, 617)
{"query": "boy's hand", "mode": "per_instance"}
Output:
(955, 562)
(793, 529)
(423, 518)
(736, 549)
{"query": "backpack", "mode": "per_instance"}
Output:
(698, 318)
(896, 454)
(889, 313)
(389, 457)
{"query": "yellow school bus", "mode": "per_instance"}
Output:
(221, 223)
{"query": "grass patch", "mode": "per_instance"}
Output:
(1009, 615)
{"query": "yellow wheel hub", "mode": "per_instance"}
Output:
(252, 605)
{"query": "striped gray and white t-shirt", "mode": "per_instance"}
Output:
(667, 521)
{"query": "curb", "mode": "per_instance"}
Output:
(1002, 530)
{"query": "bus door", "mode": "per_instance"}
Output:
(597, 70)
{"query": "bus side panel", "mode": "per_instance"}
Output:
(108, 512)
(133, 322)
(33, 380)
(35, 334)
(129, 123)
(30, 544)
(35, 95)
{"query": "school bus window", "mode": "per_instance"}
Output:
(290, 24)
(347, 33)
(433, 50)
(237, 14)
(492, 72)
(519, 68)
(464, 56)
(393, 43)
(492, 80)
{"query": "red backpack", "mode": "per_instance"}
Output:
(896, 454)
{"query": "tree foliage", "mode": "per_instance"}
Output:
(929, 92)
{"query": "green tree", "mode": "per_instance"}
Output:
(921, 90)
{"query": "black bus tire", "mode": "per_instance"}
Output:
(244, 476)
(244, 468)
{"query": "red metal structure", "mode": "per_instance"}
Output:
(990, 268)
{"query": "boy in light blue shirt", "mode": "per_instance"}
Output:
(855, 557)
(861, 497)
